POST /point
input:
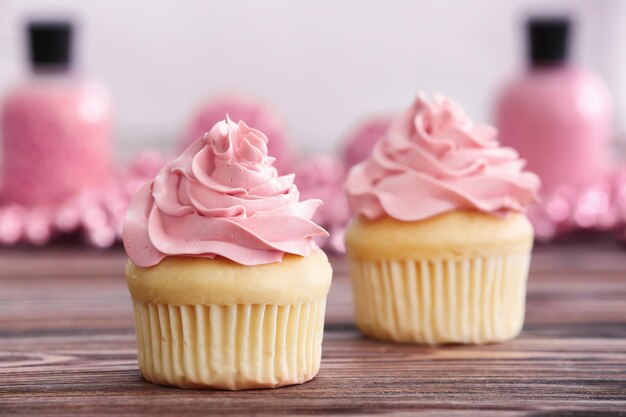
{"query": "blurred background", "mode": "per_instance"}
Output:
(97, 95)
(324, 65)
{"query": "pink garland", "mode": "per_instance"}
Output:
(599, 207)
(98, 213)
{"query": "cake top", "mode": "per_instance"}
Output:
(221, 197)
(434, 159)
(255, 112)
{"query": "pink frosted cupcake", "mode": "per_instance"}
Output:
(228, 285)
(440, 247)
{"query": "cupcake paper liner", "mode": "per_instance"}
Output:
(476, 300)
(229, 346)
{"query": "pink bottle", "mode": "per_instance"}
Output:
(556, 115)
(56, 127)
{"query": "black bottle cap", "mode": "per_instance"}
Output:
(548, 40)
(50, 44)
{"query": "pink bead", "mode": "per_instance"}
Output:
(101, 237)
(94, 217)
(67, 218)
(558, 209)
(37, 228)
(11, 224)
(323, 177)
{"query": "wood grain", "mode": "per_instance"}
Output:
(67, 348)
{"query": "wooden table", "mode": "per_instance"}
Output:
(67, 348)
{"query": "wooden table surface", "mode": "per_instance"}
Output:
(67, 347)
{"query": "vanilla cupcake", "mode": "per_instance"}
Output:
(440, 246)
(228, 286)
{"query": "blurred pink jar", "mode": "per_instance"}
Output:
(557, 116)
(56, 127)
(56, 140)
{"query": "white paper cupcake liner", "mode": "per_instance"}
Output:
(229, 346)
(477, 300)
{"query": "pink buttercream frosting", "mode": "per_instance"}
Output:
(254, 111)
(434, 159)
(221, 197)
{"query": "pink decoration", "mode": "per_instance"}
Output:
(600, 206)
(98, 212)
(252, 111)
(221, 197)
(323, 177)
(359, 144)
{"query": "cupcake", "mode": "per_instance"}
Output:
(439, 248)
(228, 285)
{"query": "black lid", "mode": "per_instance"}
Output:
(547, 40)
(50, 44)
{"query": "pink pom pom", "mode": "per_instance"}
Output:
(323, 177)
(101, 237)
(360, 143)
(600, 206)
(37, 226)
(11, 224)
(147, 164)
(67, 218)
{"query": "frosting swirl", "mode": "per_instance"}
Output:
(434, 159)
(223, 197)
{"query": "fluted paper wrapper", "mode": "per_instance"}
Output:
(474, 301)
(229, 346)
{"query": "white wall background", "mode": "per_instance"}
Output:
(324, 64)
